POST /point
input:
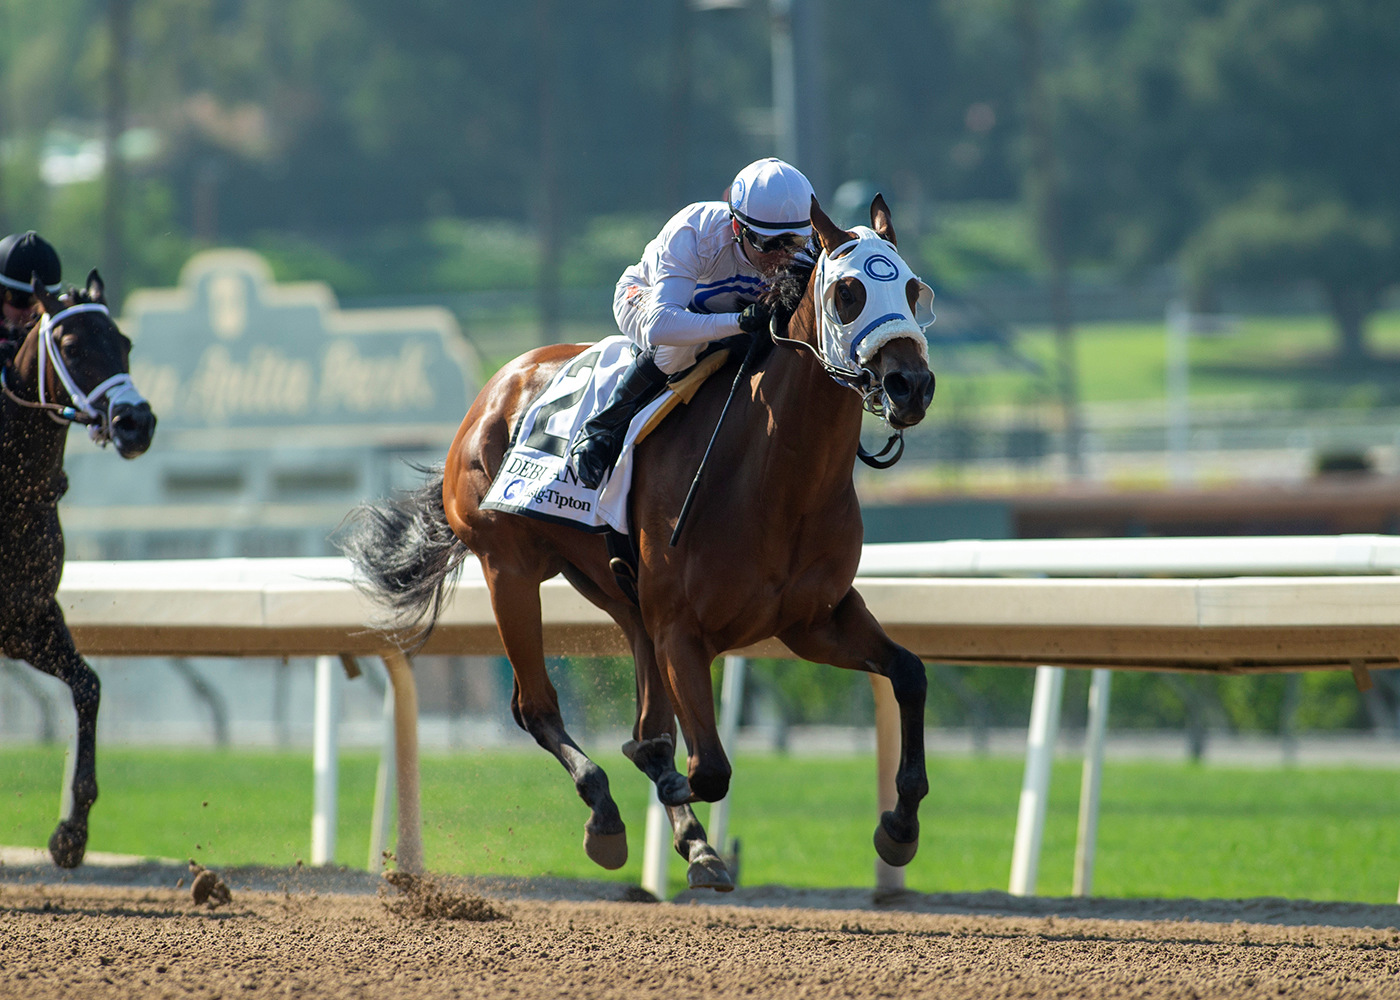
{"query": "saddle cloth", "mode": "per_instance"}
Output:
(535, 478)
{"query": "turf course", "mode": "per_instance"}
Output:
(1166, 829)
(1273, 361)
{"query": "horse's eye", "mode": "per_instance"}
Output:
(845, 293)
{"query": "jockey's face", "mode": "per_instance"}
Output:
(19, 309)
(767, 255)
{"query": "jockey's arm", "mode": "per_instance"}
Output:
(654, 311)
(666, 320)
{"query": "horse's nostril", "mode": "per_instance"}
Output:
(897, 387)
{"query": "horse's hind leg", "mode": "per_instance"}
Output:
(49, 647)
(535, 705)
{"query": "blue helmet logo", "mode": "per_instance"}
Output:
(881, 268)
(736, 192)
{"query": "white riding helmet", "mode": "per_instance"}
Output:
(772, 198)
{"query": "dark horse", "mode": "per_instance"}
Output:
(770, 549)
(70, 368)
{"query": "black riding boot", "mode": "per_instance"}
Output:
(600, 442)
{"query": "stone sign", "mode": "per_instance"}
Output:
(230, 348)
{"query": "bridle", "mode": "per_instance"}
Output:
(83, 409)
(860, 378)
(872, 398)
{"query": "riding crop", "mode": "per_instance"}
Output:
(757, 347)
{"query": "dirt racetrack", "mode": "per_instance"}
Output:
(69, 940)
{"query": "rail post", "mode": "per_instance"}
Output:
(731, 700)
(384, 785)
(1035, 785)
(326, 760)
(656, 851)
(409, 850)
(1089, 786)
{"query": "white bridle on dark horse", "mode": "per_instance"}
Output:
(117, 389)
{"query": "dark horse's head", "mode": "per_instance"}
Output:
(78, 354)
(868, 315)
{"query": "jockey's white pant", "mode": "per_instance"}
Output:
(670, 359)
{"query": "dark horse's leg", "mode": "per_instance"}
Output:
(535, 705)
(851, 638)
(48, 646)
(653, 744)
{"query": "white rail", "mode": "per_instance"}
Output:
(1246, 605)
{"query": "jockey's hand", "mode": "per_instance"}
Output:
(754, 318)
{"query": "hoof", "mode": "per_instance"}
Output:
(68, 844)
(891, 851)
(609, 850)
(709, 872)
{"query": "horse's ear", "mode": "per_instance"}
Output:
(46, 298)
(880, 219)
(96, 290)
(828, 233)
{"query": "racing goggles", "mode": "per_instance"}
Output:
(18, 299)
(788, 243)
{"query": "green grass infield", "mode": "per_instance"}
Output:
(1166, 829)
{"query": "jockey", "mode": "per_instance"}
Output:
(696, 283)
(22, 256)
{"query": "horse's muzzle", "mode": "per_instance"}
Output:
(907, 396)
(132, 427)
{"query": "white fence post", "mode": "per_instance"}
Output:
(383, 785)
(888, 878)
(1089, 786)
(408, 850)
(731, 700)
(70, 768)
(656, 850)
(326, 759)
(1035, 786)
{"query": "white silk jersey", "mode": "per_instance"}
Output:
(688, 287)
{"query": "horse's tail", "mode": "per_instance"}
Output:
(407, 554)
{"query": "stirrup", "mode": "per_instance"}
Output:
(594, 455)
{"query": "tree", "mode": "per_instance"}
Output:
(1251, 140)
(1280, 236)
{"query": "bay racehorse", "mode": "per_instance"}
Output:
(70, 368)
(770, 548)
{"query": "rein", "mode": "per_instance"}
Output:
(117, 389)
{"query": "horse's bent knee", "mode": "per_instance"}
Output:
(709, 779)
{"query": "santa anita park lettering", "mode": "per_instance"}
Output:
(278, 411)
(229, 348)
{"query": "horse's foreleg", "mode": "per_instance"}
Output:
(653, 744)
(853, 639)
(685, 680)
(653, 750)
(535, 705)
(49, 647)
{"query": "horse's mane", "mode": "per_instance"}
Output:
(788, 286)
